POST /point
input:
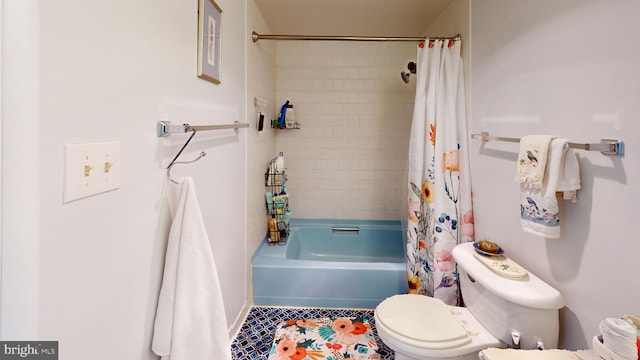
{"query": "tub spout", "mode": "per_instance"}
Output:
(354, 228)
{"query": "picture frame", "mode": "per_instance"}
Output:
(209, 40)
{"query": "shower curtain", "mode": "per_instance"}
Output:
(440, 213)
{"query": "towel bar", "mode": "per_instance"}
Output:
(164, 128)
(605, 146)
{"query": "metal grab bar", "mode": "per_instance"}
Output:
(338, 228)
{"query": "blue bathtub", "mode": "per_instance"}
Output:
(327, 263)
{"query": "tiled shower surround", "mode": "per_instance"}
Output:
(349, 158)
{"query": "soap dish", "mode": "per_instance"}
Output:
(497, 253)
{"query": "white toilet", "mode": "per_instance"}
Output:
(499, 312)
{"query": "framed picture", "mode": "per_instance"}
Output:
(209, 40)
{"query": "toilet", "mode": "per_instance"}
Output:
(500, 312)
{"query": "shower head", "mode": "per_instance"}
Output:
(405, 76)
(412, 67)
(412, 70)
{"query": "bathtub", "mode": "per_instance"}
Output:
(327, 263)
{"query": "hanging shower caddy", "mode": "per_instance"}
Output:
(277, 200)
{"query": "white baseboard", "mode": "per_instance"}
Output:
(237, 324)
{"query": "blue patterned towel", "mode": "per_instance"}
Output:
(539, 211)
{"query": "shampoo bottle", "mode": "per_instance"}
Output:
(280, 163)
(290, 117)
(274, 233)
(283, 114)
(268, 196)
(287, 216)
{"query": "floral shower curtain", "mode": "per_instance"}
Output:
(440, 212)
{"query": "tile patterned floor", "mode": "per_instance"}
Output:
(256, 334)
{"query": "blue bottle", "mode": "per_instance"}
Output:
(283, 112)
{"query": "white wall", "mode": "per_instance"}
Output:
(568, 68)
(261, 84)
(20, 169)
(347, 161)
(109, 71)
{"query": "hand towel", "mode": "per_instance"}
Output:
(539, 212)
(569, 179)
(190, 319)
(532, 160)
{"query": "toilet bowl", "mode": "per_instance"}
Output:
(435, 331)
(500, 312)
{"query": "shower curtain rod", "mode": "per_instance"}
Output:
(255, 36)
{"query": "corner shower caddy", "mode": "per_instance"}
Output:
(275, 182)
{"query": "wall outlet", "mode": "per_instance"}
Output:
(90, 169)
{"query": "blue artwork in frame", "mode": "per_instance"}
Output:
(209, 40)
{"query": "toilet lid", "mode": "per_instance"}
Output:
(423, 319)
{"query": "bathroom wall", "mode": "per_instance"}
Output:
(347, 160)
(261, 83)
(567, 68)
(87, 273)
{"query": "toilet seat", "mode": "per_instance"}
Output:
(414, 317)
(403, 314)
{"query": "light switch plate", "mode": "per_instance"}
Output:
(90, 169)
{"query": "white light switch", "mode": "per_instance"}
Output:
(90, 169)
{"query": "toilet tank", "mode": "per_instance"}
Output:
(528, 307)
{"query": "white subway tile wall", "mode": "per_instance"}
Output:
(348, 160)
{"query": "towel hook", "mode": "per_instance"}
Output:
(202, 154)
(173, 162)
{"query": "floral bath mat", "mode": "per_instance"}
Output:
(324, 339)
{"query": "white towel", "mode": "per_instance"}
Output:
(532, 160)
(569, 178)
(190, 319)
(619, 336)
(539, 212)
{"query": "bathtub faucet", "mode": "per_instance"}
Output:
(337, 228)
